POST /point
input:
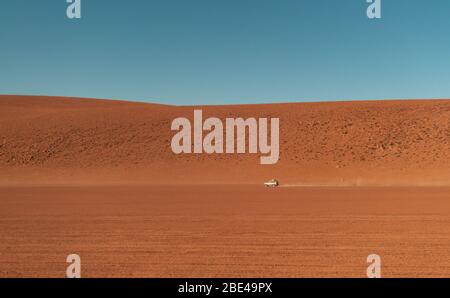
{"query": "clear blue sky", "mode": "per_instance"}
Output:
(226, 51)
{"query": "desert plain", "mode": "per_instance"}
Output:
(98, 178)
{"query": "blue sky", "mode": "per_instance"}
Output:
(226, 51)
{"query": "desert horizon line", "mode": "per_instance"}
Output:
(158, 102)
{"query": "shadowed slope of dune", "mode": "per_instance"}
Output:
(47, 140)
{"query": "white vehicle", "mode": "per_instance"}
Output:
(272, 183)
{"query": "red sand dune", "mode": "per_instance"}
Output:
(67, 140)
(125, 230)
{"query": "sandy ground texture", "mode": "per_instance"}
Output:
(98, 178)
(62, 140)
(224, 231)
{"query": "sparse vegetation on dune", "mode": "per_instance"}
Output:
(336, 143)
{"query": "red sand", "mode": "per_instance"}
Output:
(98, 178)
(54, 140)
(222, 231)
